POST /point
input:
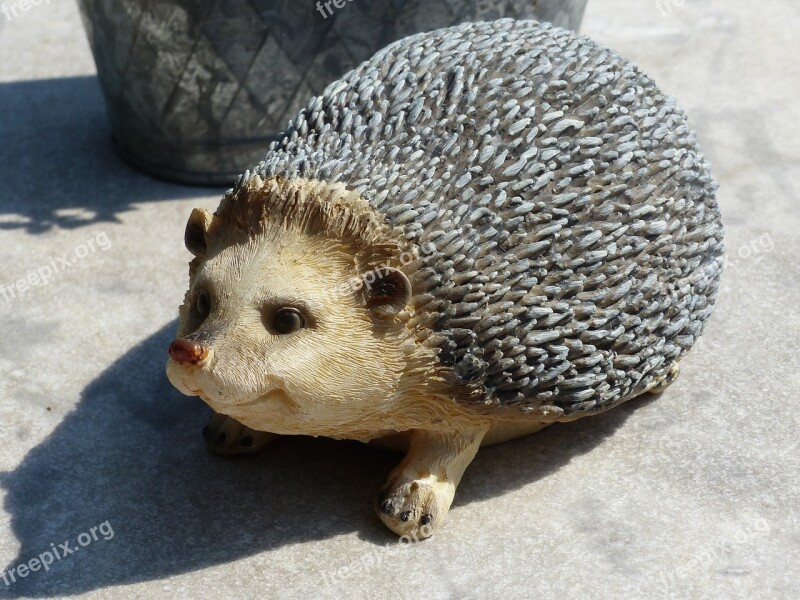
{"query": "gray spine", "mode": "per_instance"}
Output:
(578, 240)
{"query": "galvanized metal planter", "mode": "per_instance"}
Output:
(195, 90)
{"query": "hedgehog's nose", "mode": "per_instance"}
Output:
(187, 352)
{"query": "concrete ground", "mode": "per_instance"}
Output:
(693, 495)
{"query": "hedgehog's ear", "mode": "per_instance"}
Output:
(196, 229)
(387, 290)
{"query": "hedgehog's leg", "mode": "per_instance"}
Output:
(420, 489)
(666, 381)
(225, 435)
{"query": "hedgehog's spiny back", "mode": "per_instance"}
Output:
(578, 240)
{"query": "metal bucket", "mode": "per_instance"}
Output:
(196, 89)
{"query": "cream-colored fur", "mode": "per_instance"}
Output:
(357, 370)
(343, 376)
(335, 378)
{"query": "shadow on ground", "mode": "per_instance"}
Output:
(57, 166)
(132, 454)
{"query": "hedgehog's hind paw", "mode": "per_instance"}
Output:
(666, 381)
(224, 435)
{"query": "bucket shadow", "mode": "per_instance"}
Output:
(57, 165)
(131, 454)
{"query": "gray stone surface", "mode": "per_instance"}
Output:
(692, 495)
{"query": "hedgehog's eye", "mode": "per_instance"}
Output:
(288, 320)
(202, 305)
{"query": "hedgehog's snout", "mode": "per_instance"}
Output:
(189, 352)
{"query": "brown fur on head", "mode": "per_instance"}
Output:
(303, 206)
(278, 248)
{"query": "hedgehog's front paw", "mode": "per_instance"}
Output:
(226, 436)
(414, 507)
(415, 500)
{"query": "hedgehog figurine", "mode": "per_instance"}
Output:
(480, 231)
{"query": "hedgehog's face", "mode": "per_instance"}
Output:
(277, 332)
